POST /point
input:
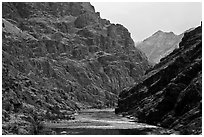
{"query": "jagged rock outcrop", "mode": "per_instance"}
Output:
(159, 45)
(62, 56)
(170, 94)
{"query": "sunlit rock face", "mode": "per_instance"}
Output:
(64, 56)
(159, 45)
(170, 94)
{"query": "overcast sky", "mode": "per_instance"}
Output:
(144, 19)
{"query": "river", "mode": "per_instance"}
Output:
(105, 122)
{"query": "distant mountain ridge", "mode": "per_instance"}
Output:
(159, 45)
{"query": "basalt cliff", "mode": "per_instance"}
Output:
(170, 94)
(61, 57)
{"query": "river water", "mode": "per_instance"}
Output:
(104, 122)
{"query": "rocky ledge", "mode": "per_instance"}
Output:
(170, 94)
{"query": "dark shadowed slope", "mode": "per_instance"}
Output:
(170, 94)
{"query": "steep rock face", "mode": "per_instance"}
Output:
(170, 94)
(63, 56)
(159, 45)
